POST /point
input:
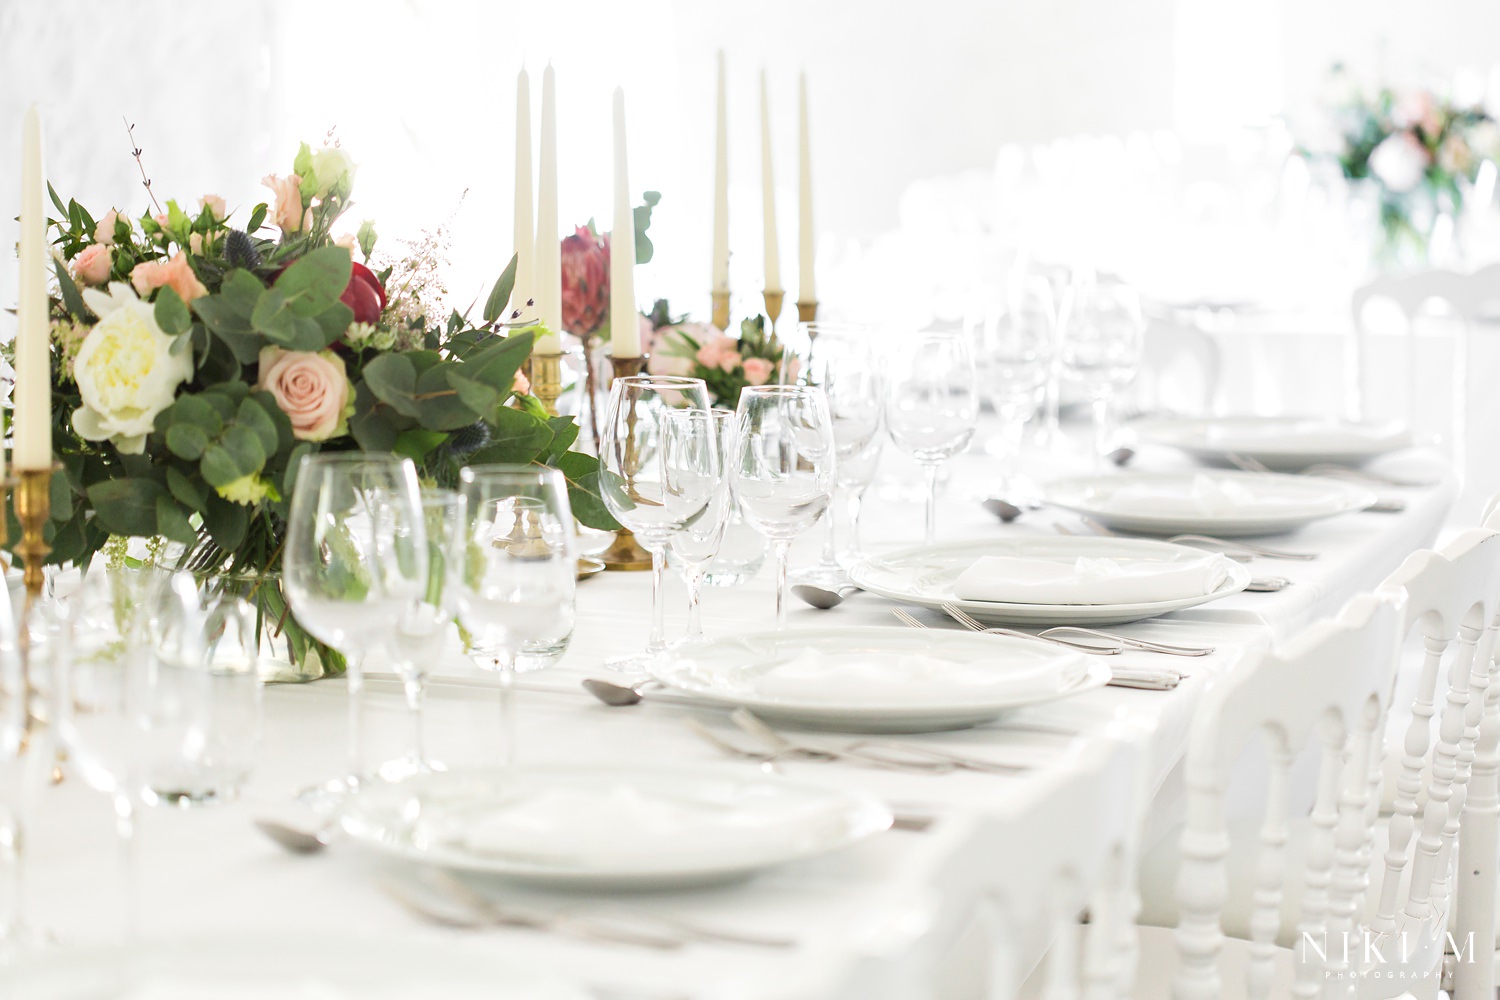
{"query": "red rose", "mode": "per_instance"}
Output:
(364, 294)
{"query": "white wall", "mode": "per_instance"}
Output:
(421, 93)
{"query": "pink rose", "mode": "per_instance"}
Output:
(669, 364)
(92, 266)
(176, 273)
(104, 232)
(311, 389)
(521, 385)
(757, 371)
(708, 355)
(214, 202)
(288, 215)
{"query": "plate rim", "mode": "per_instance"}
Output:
(883, 713)
(1239, 579)
(866, 816)
(1357, 499)
(1151, 429)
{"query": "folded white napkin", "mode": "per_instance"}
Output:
(624, 822)
(1025, 580)
(876, 678)
(1205, 496)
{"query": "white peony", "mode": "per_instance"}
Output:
(125, 370)
(1400, 161)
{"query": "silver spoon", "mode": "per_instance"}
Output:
(1003, 509)
(295, 838)
(616, 695)
(822, 597)
(1120, 456)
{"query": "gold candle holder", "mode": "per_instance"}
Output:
(721, 309)
(33, 500)
(546, 380)
(773, 297)
(625, 554)
(807, 312)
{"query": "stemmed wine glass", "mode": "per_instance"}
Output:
(26, 754)
(652, 489)
(355, 558)
(1100, 349)
(932, 405)
(424, 622)
(516, 569)
(694, 547)
(783, 467)
(842, 361)
(1014, 336)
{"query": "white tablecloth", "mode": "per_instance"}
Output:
(867, 921)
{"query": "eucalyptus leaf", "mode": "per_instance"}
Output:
(393, 380)
(171, 522)
(127, 506)
(72, 298)
(495, 305)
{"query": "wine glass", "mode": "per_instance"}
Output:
(26, 755)
(516, 572)
(1014, 336)
(932, 405)
(424, 622)
(1100, 349)
(694, 547)
(651, 489)
(783, 467)
(842, 361)
(355, 558)
(130, 714)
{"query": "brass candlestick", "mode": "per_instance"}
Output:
(721, 309)
(625, 553)
(773, 297)
(33, 499)
(546, 379)
(807, 312)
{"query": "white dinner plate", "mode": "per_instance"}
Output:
(328, 965)
(1219, 503)
(925, 575)
(610, 827)
(1286, 444)
(878, 680)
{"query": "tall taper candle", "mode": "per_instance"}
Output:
(548, 260)
(806, 289)
(624, 327)
(768, 192)
(721, 187)
(525, 242)
(33, 393)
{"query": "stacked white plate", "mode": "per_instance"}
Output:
(1285, 444)
(1066, 580)
(1216, 503)
(878, 679)
(610, 827)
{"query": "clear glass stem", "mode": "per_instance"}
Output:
(1052, 408)
(130, 867)
(415, 689)
(855, 504)
(355, 668)
(1101, 431)
(930, 535)
(507, 670)
(694, 579)
(830, 547)
(14, 834)
(783, 549)
(658, 640)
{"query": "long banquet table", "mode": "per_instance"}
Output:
(869, 922)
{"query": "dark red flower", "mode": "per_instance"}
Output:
(364, 294)
(585, 282)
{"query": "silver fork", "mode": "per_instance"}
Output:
(1380, 506)
(907, 618)
(1118, 641)
(1126, 677)
(1363, 476)
(1246, 548)
(887, 753)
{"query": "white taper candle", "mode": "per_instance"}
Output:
(548, 259)
(624, 327)
(768, 192)
(525, 236)
(32, 413)
(721, 187)
(806, 288)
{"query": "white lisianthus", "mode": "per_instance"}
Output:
(125, 370)
(1400, 161)
(248, 490)
(332, 171)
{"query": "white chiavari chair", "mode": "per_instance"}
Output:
(1062, 847)
(1326, 690)
(1179, 371)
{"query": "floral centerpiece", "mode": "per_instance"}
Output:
(726, 364)
(1419, 149)
(198, 360)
